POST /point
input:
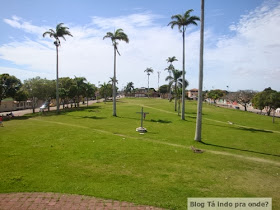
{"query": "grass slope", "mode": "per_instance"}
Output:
(90, 152)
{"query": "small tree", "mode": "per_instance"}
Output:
(175, 81)
(9, 86)
(89, 90)
(169, 69)
(65, 85)
(243, 97)
(268, 99)
(129, 88)
(215, 94)
(105, 90)
(163, 89)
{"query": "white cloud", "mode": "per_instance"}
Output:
(19, 23)
(250, 58)
(246, 60)
(87, 54)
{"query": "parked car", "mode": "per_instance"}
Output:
(44, 106)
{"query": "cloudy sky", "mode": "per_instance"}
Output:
(242, 44)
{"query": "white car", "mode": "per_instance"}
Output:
(43, 107)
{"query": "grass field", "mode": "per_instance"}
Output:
(89, 152)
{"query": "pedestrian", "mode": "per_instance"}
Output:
(1, 121)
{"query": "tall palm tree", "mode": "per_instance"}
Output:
(182, 21)
(59, 32)
(149, 71)
(117, 35)
(169, 69)
(176, 80)
(200, 85)
(171, 59)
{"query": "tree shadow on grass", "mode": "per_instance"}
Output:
(237, 149)
(161, 121)
(237, 127)
(54, 113)
(93, 117)
(253, 130)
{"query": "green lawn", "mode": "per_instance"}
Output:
(90, 152)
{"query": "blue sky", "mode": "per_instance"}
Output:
(242, 45)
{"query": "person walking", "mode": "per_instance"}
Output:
(1, 121)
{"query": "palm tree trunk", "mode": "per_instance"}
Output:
(175, 97)
(148, 85)
(183, 82)
(169, 95)
(114, 85)
(179, 107)
(199, 105)
(57, 94)
(33, 104)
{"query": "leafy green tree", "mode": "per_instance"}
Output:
(65, 84)
(149, 71)
(268, 99)
(163, 89)
(79, 88)
(9, 86)
(40, 89)
(21, 95)
(89, 91)
(59, 32)
(182, 21)
(258, 101)
(215, 94)
(117, 35)
(28, 87)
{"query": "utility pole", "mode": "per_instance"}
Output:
(158, 79)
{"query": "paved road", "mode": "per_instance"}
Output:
(28, 111)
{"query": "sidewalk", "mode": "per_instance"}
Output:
(28, 111)
(40, 201)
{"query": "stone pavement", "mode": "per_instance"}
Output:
(40, 201)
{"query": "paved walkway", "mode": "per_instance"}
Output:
(40, 201)
(28, 111)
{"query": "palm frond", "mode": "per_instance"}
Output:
(108, 35)
(178, 17)
(59, 26)
(168, 78)
(149, 70)
(60, 32)
(47, 33)
(187, 13)
(120, 35)
(171, 59)
(183, 20)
